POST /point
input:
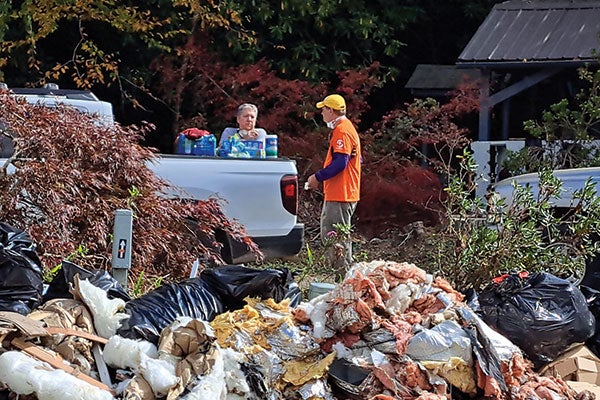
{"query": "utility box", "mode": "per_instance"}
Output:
(122, 243)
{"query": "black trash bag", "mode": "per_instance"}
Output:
(541, 313)
(593, 299)
(154, 311)
(235, 282)
(214, 292)
(63, 281)
(471, 299)
(21, 277)
(293, 293)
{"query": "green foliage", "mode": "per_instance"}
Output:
(117, 50)
(311, 40)
(86, 53)
(315, 259)
(479, 241)
(142, 284)
(50, 273)
(566, 132)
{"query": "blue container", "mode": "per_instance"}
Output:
(254, 148)
(184, 145)
(271, 146)
(224, 149)
(205, 146)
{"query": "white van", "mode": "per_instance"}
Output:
(50, 96)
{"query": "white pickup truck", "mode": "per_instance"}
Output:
(572, 180)
(261, 194)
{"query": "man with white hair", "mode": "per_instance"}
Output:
(246, 119)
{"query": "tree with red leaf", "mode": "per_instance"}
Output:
(408, 156)
(72, 173)
(199, 87)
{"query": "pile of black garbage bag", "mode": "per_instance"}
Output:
(541, 313)
(21, 282)
(215, 291)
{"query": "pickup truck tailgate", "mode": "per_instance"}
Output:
(249, 189)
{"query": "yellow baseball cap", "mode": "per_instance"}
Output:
(333, 101)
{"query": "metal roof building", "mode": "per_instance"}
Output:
(536, 38)
(437, 80)
(530, 33)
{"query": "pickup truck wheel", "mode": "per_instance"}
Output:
(226, 253)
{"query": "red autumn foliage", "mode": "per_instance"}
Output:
(394, 180)
(394, 195)
(72, 174)
(195, 82)
(396, 190)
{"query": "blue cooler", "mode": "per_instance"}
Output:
(205, 146)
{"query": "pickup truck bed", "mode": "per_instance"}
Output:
(261, 194)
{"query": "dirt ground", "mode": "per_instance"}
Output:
(381, 242)
(393, 244)
(389, 240)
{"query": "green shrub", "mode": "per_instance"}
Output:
(481, 240)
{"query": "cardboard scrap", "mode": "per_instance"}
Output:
(27, 326)
(75, 332)
(578, 364)
(582, 386)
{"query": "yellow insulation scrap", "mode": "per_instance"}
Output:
(287, 357)
(227, 324)
(298, 372)
(456, 371)
(283, 306)
(252, 322)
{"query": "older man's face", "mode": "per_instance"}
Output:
(247, 119)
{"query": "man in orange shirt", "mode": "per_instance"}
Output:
(340, 173)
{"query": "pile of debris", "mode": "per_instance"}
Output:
(388, 331)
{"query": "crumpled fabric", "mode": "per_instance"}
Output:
(195, 133)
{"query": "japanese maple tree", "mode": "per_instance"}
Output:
(72, 173)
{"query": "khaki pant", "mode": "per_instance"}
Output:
(336, 212)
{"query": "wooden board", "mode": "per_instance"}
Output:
(56, 361)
